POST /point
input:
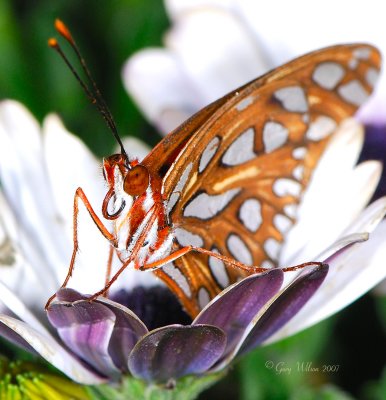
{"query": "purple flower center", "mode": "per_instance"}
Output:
(156, 306)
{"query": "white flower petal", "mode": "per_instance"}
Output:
(335, 196)
(72, 165)
(176, 8)
(336, 214)
(368, 220)
(342, 243)
(203, 42)
(158, 84)
(13, 303)
(296, 31)
(135, 147)
(24, 283)
(50, 350)
(352, 273)
(22, 277)
(25, 184)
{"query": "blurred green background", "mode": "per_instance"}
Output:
(108, 32)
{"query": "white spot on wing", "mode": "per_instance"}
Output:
(362, 53)
(353, 92)
(274, 135)
(241, 150)
(292, 98)
(208, 153)
(291, 210)
(353, 63)
(243, 104)
(321, 128)
(372, 76)
(205, 206)
(286, 187)
(186, 238)
(250, 214)
(272, 248)
(282, 223)
(298, 172)
(299, 153)
(203, 297)
(172, 201)
(328, 74)
(218, 270)
(239, 249)
(179, 187)
(306, 118)
(178, 277)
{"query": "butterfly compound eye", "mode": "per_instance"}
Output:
(136, 181)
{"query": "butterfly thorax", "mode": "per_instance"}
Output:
(134, 203)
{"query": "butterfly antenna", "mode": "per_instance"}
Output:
(94, 95)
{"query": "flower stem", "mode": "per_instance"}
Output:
(187, 388)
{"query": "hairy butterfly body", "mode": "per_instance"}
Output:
(214, 199)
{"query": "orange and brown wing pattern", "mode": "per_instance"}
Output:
(234, 185)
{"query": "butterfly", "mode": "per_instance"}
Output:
(213, 201)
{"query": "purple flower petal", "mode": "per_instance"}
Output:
(69, 295)
(175, 351)
(128, 329)
(55, 354)
(244, 299)
(286, 306)
(86, 328)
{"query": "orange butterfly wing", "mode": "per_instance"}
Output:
(234, 173)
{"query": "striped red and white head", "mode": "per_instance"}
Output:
(126, 181)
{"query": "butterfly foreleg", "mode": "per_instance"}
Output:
(79, 194)
(138, 244)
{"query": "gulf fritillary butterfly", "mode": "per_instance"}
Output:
(218, 194)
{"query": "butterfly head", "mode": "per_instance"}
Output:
(126, 180)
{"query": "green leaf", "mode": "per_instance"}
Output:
(278, 370)
(376, 390)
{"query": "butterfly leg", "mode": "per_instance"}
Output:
(250, 269)
(154, 265)
(181, 252)
(187, 249)
(138, 244)
(79, 194)
(109, 266)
